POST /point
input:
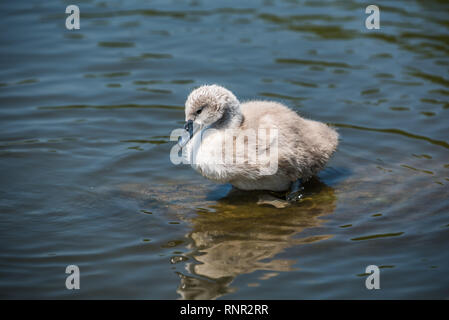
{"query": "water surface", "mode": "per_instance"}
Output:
(85, 119)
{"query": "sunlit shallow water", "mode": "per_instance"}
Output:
(85, 119)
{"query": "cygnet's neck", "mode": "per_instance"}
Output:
(232, 118)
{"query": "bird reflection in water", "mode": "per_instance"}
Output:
(240, 237)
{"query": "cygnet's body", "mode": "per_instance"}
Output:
(303, 146)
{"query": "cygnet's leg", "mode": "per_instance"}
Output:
(296, 191)
(294, 194)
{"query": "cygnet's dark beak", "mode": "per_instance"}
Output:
(182, 140)
(189, 128)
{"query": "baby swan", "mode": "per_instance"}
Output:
(262, 134)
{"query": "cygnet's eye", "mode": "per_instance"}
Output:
(200, 109)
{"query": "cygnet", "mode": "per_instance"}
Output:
(255, 145)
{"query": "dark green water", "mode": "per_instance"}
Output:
(85, 119)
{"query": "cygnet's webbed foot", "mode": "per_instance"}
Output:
(266, 199)
(296, 191)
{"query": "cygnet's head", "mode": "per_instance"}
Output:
(210, 104)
